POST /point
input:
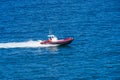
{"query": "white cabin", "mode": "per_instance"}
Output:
(52, 38)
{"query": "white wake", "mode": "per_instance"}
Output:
(27, 44)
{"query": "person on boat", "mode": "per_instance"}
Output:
(52, 38)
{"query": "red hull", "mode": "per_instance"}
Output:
(59, 42)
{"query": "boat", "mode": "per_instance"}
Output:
(52, 39)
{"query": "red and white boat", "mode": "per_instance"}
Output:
(55, 41)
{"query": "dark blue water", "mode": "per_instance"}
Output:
(93, 55)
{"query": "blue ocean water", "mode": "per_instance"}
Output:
(93, 55)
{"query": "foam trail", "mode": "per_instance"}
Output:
(28, 44)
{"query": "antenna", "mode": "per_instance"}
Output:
(49, 32)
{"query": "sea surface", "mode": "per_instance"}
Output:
(93, 55)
